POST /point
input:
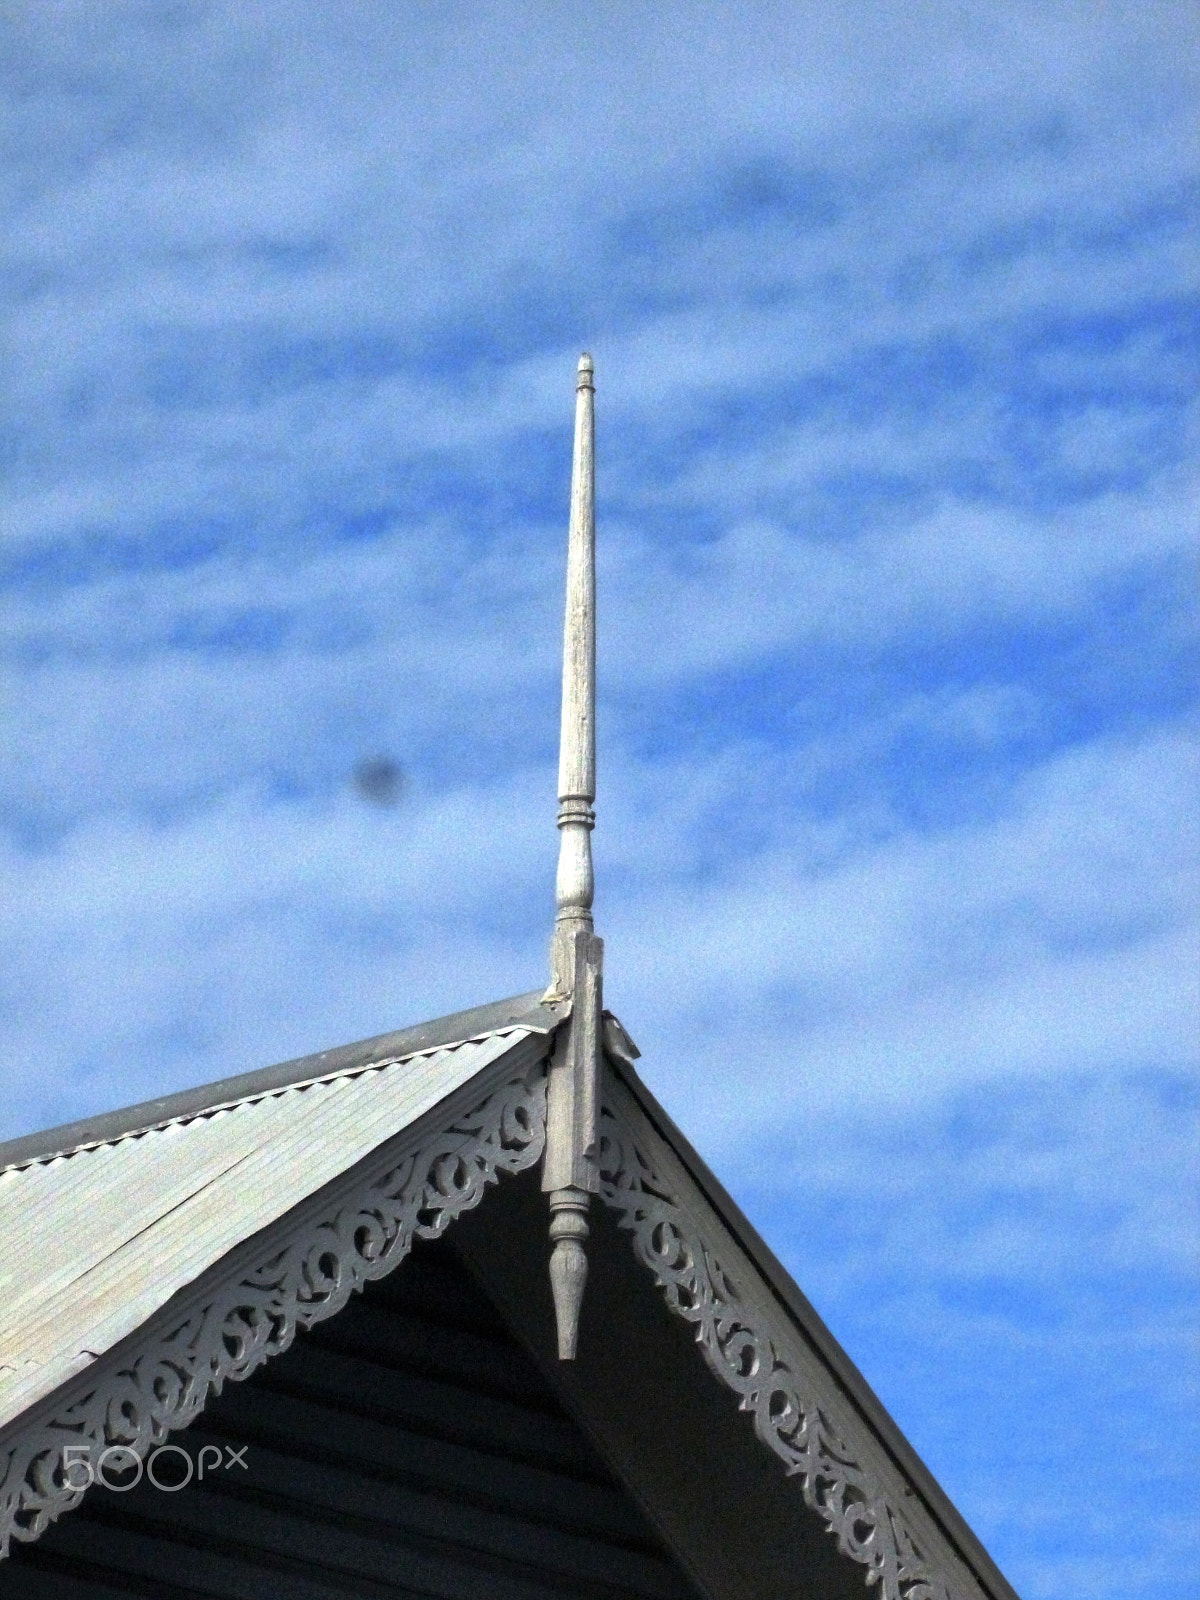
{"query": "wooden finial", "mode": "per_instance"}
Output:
(577, 746)
(569, 1173)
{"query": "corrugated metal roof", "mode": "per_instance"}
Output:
(529, 1011)
(97, 1238)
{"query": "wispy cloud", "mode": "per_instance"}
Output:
(896, 319)
(1011, 1240)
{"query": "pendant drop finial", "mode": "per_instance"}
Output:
(570, 1174)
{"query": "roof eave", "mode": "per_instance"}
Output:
(802, 1313)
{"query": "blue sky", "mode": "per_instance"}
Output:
(896, 327)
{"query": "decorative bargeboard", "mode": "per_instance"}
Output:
(843, 1470)
(162, 1381)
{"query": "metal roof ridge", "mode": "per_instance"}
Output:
(256, 1098)
(526, 1012)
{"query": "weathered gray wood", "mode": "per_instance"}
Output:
(529, 1012)
(575, 883)
(569, 1173)
(97, 1243)
(577, 752)
(246, 1308)
(572, 1108)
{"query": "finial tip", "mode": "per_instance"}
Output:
(585, 363)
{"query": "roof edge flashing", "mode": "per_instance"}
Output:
(528, 1012)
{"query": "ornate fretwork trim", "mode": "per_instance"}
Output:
(163, 1381)
(799, 1414)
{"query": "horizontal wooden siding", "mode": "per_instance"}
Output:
(408, 1447)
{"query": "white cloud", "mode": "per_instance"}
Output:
(888, 306)
(432, 183)
(1055, 937)
(1033, 1244)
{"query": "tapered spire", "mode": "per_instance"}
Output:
(576, 956)
(577, 746)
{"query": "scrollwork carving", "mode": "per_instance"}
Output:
(789, 1416)
(163, 1383)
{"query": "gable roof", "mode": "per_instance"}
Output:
(192, 1236)
(105, 1220)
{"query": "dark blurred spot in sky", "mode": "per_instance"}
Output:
(379, 779)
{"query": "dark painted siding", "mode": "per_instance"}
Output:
(408, 1447)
